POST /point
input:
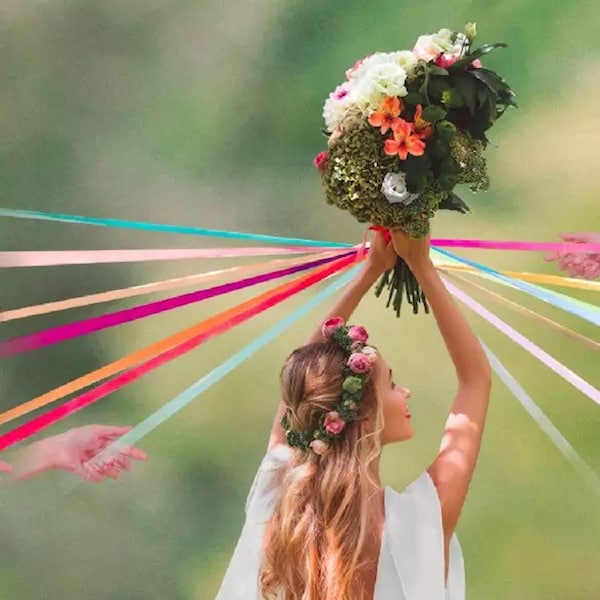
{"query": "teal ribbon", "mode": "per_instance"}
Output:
(158, 227)
(560, 301)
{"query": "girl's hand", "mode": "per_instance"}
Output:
(413, 251)
(381, 257)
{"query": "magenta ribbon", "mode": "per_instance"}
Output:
(516, 245)
(56, 335)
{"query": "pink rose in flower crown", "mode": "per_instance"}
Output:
(333, 423)
(330, 325)
(358, 334)
(370, 353)
(320, 161)
(359, 363)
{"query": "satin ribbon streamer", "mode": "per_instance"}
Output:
(157, 227)
(134, 358)
(564, 303)
(146, 288)
(544, 423)
(204, 331)
(66, 332)
(583, 386)
(522, 246)
(571, 282)
(182, 400)
(592, 344)
(53, 258)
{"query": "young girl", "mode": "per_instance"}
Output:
(319, 525)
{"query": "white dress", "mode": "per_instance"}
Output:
(411, 559)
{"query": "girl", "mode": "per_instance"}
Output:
(319, 525)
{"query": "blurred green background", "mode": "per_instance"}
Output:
(209, 113)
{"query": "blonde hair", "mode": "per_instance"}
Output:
(316, 542)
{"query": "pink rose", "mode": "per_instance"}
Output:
(446, 60)
(426, 49)
(334, 424)
(320, 161)
(330, 325)
(319, 447)
(359, 363)
(358, 334)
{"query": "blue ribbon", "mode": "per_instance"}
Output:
(157, 227)
(562, 302)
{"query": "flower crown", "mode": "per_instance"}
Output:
(355, 373)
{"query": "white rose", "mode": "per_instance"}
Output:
(395, 190)
(406, 59)
(369, 62)
(381, 80)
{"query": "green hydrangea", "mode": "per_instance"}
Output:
(356, 167)
(469, 155)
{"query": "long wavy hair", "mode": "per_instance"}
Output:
(317, 542)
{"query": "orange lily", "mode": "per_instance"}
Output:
(423, 128)
(391, 107)
(405, 141)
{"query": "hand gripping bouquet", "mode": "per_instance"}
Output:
(404, 130)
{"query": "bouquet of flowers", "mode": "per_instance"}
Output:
(404, 130)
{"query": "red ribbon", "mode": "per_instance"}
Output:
(387, 234)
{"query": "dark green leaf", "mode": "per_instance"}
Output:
(433, 113)
(474, 54)
(437, 86)
(435, 70)
(454, 202)
(414, 98)
(488, 78)
(467, 87)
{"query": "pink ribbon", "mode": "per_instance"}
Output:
(104, 389)
(52, 258)
(62, 333)
(516, 245)
(583, 386)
